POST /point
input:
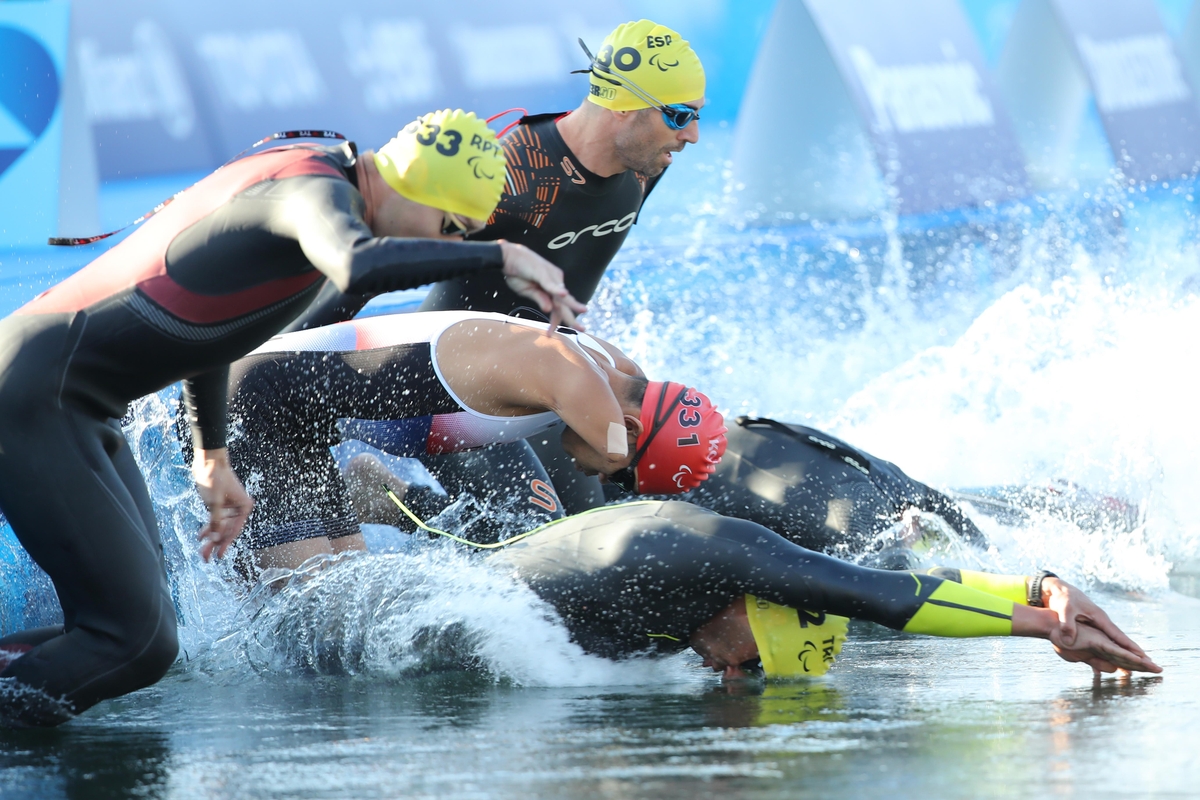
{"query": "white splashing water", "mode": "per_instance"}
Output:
(1043, 342)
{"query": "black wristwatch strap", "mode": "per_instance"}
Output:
(1035, 588)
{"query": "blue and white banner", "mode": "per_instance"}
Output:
(855, 106)
(1061, 53)
(918, 77)
(174, 85)
(39, 193)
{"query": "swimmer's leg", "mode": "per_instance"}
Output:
(281, 454)
(78, 505)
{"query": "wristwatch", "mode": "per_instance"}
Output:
(1035, 588)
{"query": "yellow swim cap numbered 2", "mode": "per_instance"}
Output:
(654, 58)
(791, 643)
(449, 160)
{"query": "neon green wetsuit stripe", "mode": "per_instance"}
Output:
(956, 610)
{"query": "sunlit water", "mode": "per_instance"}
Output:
(1048, 340)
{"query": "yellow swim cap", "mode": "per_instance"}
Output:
(789, 647)
(447, 159)
(655, 58)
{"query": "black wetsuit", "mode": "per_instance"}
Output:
(816, 490)
(210, 277)
(644, 577)
(288, 408)
(564, 213)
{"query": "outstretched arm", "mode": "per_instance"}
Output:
(205, 397)
(327, 218)
(768, 566)
(1072, 607)
(326, 215)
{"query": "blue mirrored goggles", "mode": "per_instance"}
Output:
(677, 115)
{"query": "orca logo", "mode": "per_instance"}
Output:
(28, 93)
(603, 229)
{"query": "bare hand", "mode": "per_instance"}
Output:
(227, 502)
(532, 276)
(1073, 607)
(1091, 646)
(366, 476)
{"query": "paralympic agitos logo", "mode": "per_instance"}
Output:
(29, 90)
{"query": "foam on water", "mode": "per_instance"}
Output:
(434, 608)
(1044, 341)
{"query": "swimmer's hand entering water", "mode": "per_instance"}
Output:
(532, 276)
(224, 496)
(1089, 645)
(1075, 608)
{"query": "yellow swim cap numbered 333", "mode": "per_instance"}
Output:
(449, 160)
(654, 58)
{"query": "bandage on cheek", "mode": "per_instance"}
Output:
(617, 444)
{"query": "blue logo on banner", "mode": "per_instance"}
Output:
(28, 93)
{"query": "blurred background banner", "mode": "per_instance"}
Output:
(909, 76)
(826, 109)
(1063, 56)
(47, 172)
(175, 86)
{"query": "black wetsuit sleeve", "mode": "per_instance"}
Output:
(327, 218)
(206, 399)
(329, 306)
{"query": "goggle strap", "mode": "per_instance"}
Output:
(618, 80)
(657, 424)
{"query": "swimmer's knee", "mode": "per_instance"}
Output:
(147, 659)
(161, 651)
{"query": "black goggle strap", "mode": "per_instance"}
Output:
(658, 422)
(602, 72)
(71, 241)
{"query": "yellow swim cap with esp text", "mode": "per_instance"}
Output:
(450, 160)
(655, 58)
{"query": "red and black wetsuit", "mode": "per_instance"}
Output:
(209, 278)
(551, 204)
(571, 217)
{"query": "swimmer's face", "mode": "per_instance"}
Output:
(396, 215)
(726, 642)
(587, 459)
(646, 144)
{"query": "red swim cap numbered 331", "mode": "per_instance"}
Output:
(683, 438)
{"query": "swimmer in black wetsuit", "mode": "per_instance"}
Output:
(662, 576)
(217, 272)
(438, 382)
(820, 492)
(576, 184)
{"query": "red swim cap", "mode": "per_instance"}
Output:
(683, 438)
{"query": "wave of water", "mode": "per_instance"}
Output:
(1038, 342)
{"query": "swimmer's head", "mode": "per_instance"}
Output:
(672, 439)
(447, 160)
(643, 64)
(682, 439)
(791, 643)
